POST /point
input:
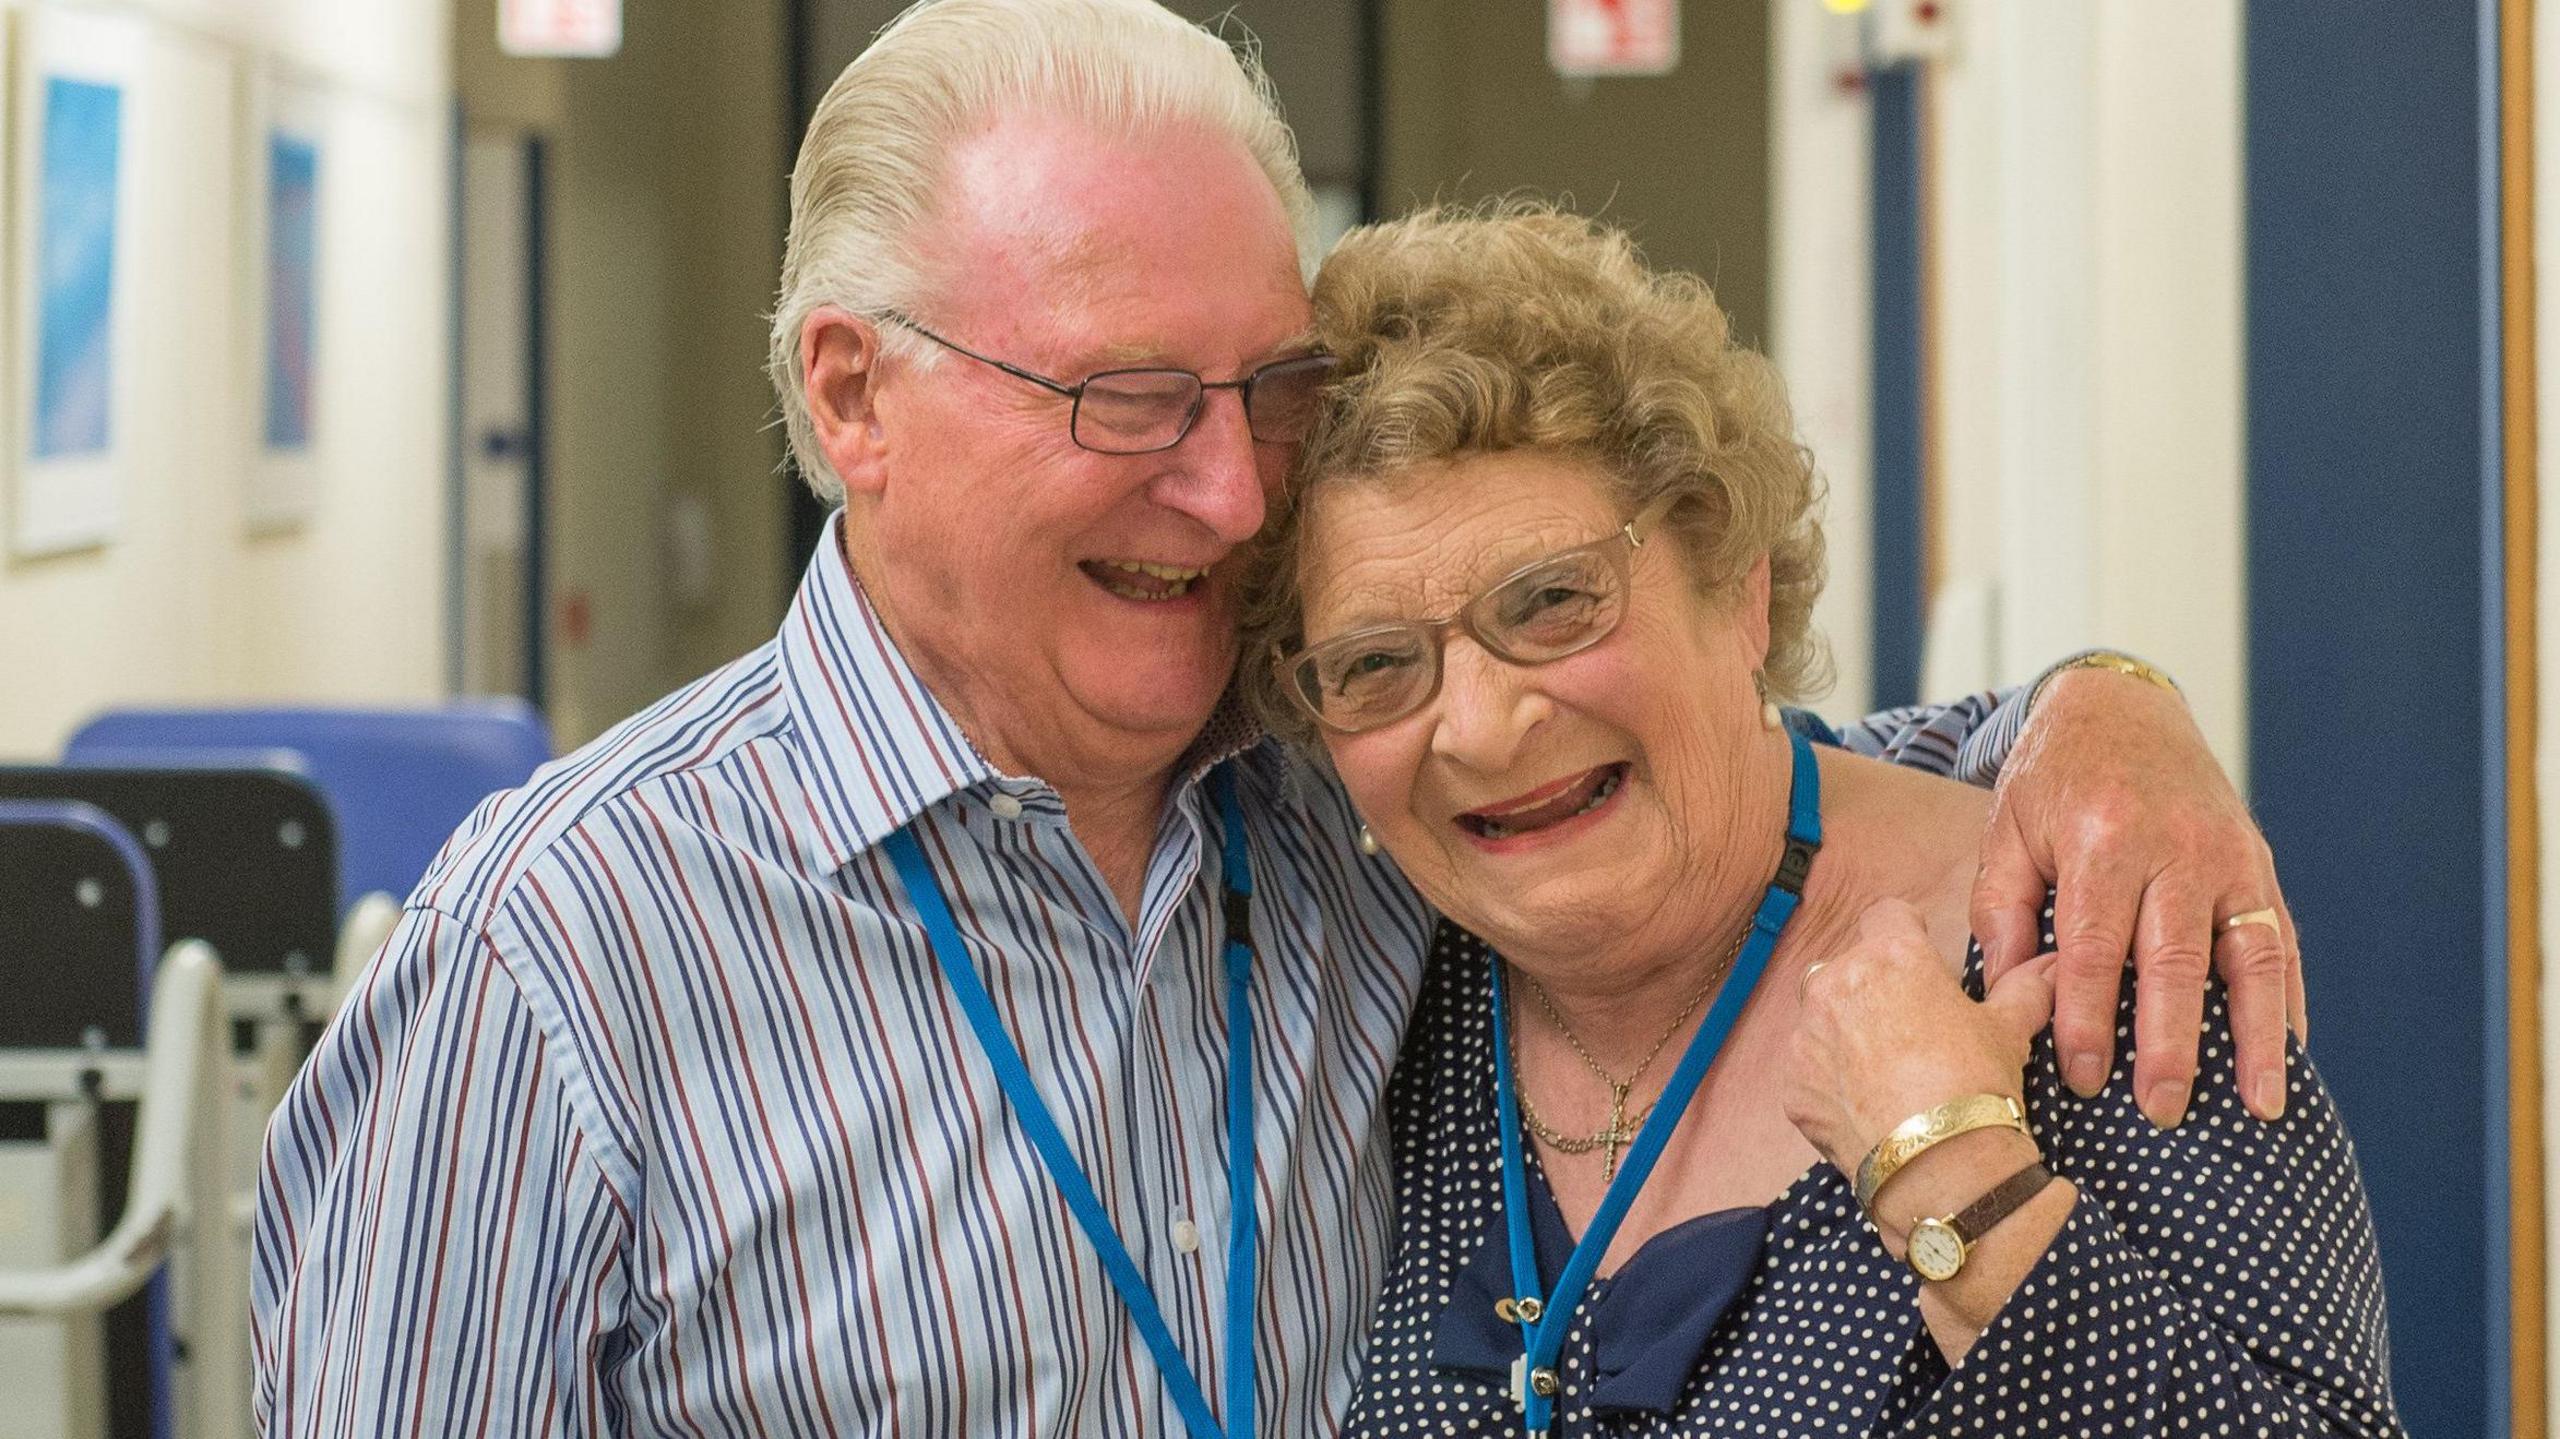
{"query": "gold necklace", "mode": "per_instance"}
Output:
(1622, 1127)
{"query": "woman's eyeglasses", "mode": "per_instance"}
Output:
(1543, 611)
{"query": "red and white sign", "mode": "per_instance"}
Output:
(1613, 37)
(578, 29)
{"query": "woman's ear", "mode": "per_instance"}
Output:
(840, 381)
(1754, 602)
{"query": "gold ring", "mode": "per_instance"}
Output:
(2266, 917)
(1806, 978)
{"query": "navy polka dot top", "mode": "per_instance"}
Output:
(2216, 1279)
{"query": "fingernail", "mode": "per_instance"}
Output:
(2165, 1103)
(2266, 1094)
(2085, 1072)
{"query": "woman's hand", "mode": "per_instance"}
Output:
(1886, 1031)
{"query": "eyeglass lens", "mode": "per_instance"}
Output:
(1375, 677)
(1136, 411)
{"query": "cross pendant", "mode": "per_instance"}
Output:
(1615, 1137)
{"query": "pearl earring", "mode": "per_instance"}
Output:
(1368, 841)
(1770, 718)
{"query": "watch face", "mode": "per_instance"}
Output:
(1936, 1250)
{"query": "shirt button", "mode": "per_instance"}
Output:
(1005, 806)
(1186, 1236)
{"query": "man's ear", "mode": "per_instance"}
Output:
(840, 380)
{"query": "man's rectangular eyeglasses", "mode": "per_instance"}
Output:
(1545, 610)
(1141, 411)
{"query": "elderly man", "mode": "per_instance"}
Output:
(949, 1018)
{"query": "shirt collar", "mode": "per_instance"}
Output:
(883, 749)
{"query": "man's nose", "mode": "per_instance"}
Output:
(1217, 477)
(1487, 707)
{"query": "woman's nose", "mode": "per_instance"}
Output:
(1487, 707)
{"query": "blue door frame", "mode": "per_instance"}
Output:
(2376, 630)
(1899, 604)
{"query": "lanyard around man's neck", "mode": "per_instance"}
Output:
(1032, 1113)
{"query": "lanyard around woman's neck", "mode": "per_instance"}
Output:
(1033, 1114)
(1544, 1318)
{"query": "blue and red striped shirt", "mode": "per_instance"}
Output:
(655, 1116)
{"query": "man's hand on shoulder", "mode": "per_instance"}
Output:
(2112, 797)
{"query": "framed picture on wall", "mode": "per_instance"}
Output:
(285, 168)
(74, 258)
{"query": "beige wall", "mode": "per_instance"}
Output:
(665, 226)
(1821, 278)
(183, 603)
(2088, 247)
(665, 210)
(1472, 109)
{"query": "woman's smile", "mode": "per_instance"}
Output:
(1548, 814)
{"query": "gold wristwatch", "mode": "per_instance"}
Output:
(1916, 1135)
(1939, 1247)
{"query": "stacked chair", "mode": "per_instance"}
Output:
(400, 780)
(110, 1055)
(276, 842)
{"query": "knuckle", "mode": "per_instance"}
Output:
(2105, 824)
(2254, 958)
(2177, 961)
(2082, 1026)
(2198, 848)
(2003, 862)
(2166, 1057)
(2090, 947)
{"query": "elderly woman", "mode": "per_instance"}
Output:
(1703, 1125)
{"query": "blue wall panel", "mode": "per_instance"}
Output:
(2371, 473)
(1899, 606)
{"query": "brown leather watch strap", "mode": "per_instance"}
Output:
(2003, 1201)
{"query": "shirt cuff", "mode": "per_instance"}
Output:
(1984, 751)
(2058, 1351)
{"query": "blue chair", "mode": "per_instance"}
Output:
(243, 865)
(77, 904)
(242, 857)
(80, 959)
(399, 780)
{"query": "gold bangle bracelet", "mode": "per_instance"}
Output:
(1915, 1136)
(2114, 660)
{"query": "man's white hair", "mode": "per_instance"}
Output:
(872, 162)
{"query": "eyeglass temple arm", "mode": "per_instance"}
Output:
(1043, 381)
(1643, 521)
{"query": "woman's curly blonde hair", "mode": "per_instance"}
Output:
(1523, 327)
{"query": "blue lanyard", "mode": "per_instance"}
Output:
(1544, 1318)
(1005, 1059)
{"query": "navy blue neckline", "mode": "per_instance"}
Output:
(1650, 1320)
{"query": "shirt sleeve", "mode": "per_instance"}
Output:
(1967, 739)
(437, 1249)
(2218, 1278)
